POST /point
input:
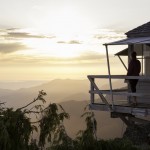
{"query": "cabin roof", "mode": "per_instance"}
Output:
(140, 31)
(132, 40)
(139, 35)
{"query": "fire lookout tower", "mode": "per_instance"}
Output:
(137, 40)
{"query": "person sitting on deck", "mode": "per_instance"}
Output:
(134, 69)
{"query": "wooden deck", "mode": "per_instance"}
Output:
(120, 106)
(139, 110)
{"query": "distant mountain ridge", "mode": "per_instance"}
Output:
(57, 90)
(73, 95)
(15, 85)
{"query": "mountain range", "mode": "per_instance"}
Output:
(73, 95)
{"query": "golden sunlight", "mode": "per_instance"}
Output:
(47, 47)
(68, 26)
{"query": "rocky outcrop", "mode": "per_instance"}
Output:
(138, 134)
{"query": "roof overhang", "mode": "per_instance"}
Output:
(124, 52)
(130, 41)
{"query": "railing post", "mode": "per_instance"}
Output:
(92, 89)
(108, 64)
(142, 59)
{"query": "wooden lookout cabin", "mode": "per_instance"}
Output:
(137, 40)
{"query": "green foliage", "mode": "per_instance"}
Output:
(16, 129)
(33, 145)
(118, 144)
(51, 125)
(86, 139)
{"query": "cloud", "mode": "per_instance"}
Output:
(74, 42)
(24, 35)
(69, 42)
(61, 42)
(11, 47)
(15, 33)
(12, 29)
(19, 60)
(109, 34)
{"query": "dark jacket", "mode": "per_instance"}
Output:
(134, 68)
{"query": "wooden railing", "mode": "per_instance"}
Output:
(94, 89)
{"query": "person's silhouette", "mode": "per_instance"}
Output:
(134, 69)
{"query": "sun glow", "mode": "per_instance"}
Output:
(47, 47)
(67, 27)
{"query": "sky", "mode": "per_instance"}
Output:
(49, 39)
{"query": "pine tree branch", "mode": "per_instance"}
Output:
(28, 104)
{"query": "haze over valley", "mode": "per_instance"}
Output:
(74, 97)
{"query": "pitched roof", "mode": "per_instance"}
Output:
(131, 40)
(143, 30)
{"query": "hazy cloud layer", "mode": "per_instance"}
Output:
(22, 35)
(69, 42)
(61, 42)
(14, 33)
(85, 58)
(11, 39)
(11, 47)
(74, 42)
(12, 29)
(25, 35)
(109, 34)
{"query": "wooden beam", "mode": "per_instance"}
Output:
(120, 93)
(125, 120)
(100, 95)
(110, 83)
(92, 89)
(125, 109)
(139, 120)
(147, 78)
(122, 62)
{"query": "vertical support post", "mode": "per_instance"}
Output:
(110, 83)
(130, 50)
(142, 59)
(92, 94)
(147, 61)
